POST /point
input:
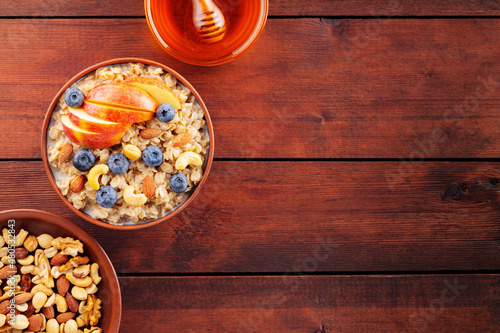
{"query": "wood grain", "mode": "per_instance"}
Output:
(307, 216)
(399, 95)
(277, 8)
(313, 304)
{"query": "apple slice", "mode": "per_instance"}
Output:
(86, 122)
(122, 95)
(115, 114)
(89, 139)
(159, 90)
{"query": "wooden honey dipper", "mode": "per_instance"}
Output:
(208, 20)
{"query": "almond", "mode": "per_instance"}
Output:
(148, 187)
(77, 184)
(64, 317)
(20, 252)
(7, 272)
(72, 303)
(62, 285)
(5, 307)
(22, 298)
(150, 133)
(48, 311)
(65, 153)
(182, 139)
(59, 259)
(36, 323)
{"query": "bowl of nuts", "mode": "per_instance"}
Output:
(56, 277)
(127, 143)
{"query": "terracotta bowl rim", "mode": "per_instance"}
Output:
(179, 208)
(90, 241)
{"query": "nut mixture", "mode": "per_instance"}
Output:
(51, 286)
(143, 192)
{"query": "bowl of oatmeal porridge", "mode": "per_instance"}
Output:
(127, 143)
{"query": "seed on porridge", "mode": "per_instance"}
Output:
(165, 113)
(106, 196)
(74, 97)
(84, 159)
(118, 163)
(178, 183)
(152, 156)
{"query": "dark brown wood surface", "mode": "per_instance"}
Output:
(314, 304)
(360, 154)
(276, 8)
(276, 216)
(408, 93)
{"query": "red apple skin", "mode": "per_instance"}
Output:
(97, 127)
(90, 140)
(123, 95)
(116, 114)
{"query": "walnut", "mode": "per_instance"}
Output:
(68, 246)
(92, 309)
(74, 262)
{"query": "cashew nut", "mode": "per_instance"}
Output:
(21, 236)
(82, 282)
(22, 307)
(61, 304)
(52, 326)
(26, 261)
(78, 293)
(81, 271)
(50, 301)
(2, 243)
(42, 288)
(45, 241)
(20, 322)
(188, 158)
(94, 273)
(92, 289)
(134, 200)
(39, 300)
(94, 173)
(50, 252)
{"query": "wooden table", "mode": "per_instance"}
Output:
(356, 180)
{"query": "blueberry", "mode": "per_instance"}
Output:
(74, 97)
(84, 159)
(106, 196)
(178, 183)
(165, 113)
(152, 156)
(118, 163)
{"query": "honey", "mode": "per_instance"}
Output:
(173, 21)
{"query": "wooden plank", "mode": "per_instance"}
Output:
(315, 304)
(306, 216)
(318, 90)
(277, 8)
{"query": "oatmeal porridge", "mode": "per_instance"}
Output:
(127, 143)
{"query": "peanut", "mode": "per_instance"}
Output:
(132, 152)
